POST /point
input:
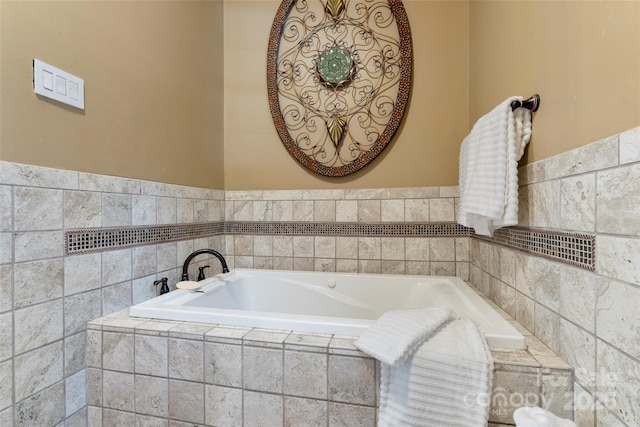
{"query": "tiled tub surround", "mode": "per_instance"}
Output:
(560, 193)
(46, 297)
(152, 372)
(444, 254)
(591, 319)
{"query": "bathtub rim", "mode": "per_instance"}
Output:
(158, 308)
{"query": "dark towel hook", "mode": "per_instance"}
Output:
(532, 103)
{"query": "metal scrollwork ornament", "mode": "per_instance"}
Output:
(338, 79)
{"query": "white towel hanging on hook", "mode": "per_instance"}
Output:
(488, 176)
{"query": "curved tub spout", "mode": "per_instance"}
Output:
(185, 266)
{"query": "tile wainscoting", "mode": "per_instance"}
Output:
(363, 240)
(161, 373)
(589, 318)
(49, 291)
(47, 297)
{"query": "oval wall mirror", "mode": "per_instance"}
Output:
(338, 80)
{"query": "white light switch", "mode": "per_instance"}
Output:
(61, 86)
(73, 90)
(56, 84)
(47, 80)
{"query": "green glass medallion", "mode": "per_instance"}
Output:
(335, 65)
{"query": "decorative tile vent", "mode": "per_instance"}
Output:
(574, 249)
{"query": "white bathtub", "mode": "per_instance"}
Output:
(336, 303)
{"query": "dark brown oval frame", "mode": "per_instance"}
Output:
(402, 99)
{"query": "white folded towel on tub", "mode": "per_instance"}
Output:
(488, 174)
(399, 333)
(533, 416)
(436, 369)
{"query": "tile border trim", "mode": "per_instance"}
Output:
(91, 240)
(382, 229)
(575, 249)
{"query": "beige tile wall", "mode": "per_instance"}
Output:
(392, 255)
(590, 319)
(159, 372)
(46, 298)
(225, 376)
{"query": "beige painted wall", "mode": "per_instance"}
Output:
(582, 57)
(169, 124)
(153, 88)
(425, 150)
